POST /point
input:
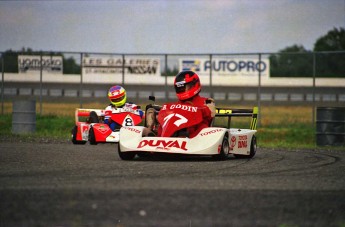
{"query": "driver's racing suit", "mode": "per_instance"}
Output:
(208, 113)
(109, 109)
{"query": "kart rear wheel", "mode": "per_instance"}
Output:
(125, 155)
(74, 136)
(252, 149)
(92, 137)
(224, 151)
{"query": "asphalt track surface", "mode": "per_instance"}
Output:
(62, 184)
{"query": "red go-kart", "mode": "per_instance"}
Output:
(90, 126)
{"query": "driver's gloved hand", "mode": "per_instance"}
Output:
(211, 105)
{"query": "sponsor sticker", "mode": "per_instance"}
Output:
(242, 141)
(210, 132)
(163, 144)
(232, 142)
(132, 129)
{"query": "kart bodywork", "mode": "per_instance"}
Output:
(218, 142)
(93, 129)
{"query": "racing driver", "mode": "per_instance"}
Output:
(118, 98)
(187, 86)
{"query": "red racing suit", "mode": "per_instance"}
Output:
(197, 101)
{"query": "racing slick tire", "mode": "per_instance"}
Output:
(92, 137)
(74, 136)
(224, 151)
(253, 148)
(125, 155)
(144, 154)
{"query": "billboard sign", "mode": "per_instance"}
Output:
(111, 65)
(29, 63)
(226, 67)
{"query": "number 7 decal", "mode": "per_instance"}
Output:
(178, 122)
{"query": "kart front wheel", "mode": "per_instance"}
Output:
(125, 155)
(74, 136)
(92, 137)
(224, 150)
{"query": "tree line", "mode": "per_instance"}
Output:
(328, 55)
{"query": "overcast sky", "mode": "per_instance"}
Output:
(175, 26)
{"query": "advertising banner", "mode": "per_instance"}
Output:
(111, 65)
(29, 63)
(226, 67)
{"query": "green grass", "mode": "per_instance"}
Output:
(297, 135)
(47, 127)
(54, 126)
(280, 127)
(293, 136)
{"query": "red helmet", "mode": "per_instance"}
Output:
(187, 85)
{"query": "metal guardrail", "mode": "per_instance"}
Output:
(138, 93)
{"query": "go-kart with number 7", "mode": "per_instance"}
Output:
(218, 142)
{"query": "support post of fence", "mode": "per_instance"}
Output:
(314, 74)
(81, 80)
(211, 75)
(41, 81)
(166, 78)
(2, 81)
(259, 93)
(123, 69)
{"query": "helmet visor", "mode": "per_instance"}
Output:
(118, 99)
(181, 87)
